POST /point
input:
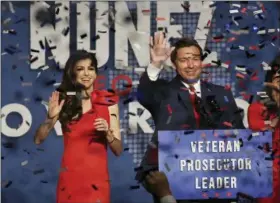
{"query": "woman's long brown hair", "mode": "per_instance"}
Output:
(72, 108)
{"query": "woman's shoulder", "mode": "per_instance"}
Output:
(104, 97)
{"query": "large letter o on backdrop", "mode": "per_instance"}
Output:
(26, 117)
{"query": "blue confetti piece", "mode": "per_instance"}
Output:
(226, 98)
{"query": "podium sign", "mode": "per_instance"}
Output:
(206, 164)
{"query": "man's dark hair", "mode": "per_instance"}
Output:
(275, 68)
(184, 42)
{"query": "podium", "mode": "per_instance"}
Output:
(203, 164)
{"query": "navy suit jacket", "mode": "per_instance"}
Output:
(161, 96)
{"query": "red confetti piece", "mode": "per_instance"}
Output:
(205, 195)
(203, 134)
(245, 96)
(207, 65)
(241, 84)
(146, 11)
(254, 48)
(160, 19)
(217, 194)
(239, 75)
(228, 194)
(169, 109)
(227, 124)
(185, 126)
(227, 87)
(243, 10)
(254, 78)
(216, 134)
(208, 23)
(217, 40)
(231, 39)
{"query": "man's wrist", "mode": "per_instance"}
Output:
(167, 199)
(164, 193)
(157, 64)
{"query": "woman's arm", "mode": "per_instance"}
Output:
(44, 129)
(114, 136)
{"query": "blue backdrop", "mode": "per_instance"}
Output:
(24, 86)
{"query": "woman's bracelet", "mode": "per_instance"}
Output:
(110, 133)
(112, 141)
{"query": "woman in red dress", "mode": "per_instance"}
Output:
(258, 113)
(90, 122)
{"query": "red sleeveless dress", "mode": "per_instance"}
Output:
(84, 176)
(256, 123)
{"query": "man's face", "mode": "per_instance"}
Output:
(188, 63)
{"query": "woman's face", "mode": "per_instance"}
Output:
(275, 93)
(85, 73)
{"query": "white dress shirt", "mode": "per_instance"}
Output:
(153, 73)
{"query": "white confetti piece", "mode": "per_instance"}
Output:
(261, 93)
(241, 47)
(134, 83)
(261, 32)
(224, 65)
(271, 30)
(24, 163)
(6, 21)
(240, 69)
(56, 84)
(51, 57)
(4, 53)
(70, 93)
(236, 132)
(44, 103)
(257, 12)
(38, 74)
(11, 7)
(236, 5)
(139, 70)
(234, 11)
(255, 134)
(267, 122)
(45, 67)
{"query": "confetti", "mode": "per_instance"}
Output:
(188, 132)
(227, 124)
(8, 145)
(167, 167)
(160, 19)
(44, 181)
(38, 171)
(94, 187)
(138, 168)
(134, 187)
(128, 101)
(7, 184)
(95, 38)
(83, 36)
(126, 149)
(70, 93)
(168, 120)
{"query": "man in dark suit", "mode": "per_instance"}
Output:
(186, 102)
